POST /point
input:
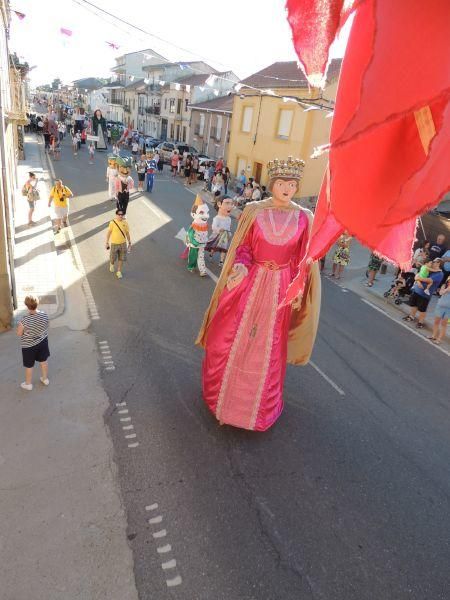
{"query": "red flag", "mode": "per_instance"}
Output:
(113, 45)
(19, 15)
(390, 136)
(64, 31)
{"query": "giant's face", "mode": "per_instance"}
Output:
(124, 170)
(226, 207)
(201, 216)
(284, 189)
(112, 163)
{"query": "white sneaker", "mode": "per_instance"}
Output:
(119, 275)
(427, 292)
(26, 386)
(44, 381)
(111, 268)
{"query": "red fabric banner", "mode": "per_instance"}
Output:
(390, 135)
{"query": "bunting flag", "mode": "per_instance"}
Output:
(65, 31)
(390, 136)
(19, 15)
(113, 45)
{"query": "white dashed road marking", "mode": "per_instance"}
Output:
(328, 379)
(168, 563)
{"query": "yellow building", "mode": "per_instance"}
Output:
(265, 127)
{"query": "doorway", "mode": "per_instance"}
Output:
(257, 171)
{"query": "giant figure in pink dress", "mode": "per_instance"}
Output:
(247, 335)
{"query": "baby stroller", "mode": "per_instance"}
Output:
(400, 287)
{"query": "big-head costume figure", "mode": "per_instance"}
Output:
(151, 170)
(248, 333)
(124, 183)
(111, 176)
(197, 237)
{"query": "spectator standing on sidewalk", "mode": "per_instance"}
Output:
(240, 183)
(445, 258)
(175, 159)
(438, 248)
(441, 314)
(31, 192)
(373, 267)
(419, 300)
(341, 256)
(219, 165)
(59, 195)
(33, 331)
(116, 242)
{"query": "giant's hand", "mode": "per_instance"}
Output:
(236, 276)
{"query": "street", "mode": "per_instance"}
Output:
(347, 497)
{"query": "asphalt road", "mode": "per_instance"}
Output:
(347, 497)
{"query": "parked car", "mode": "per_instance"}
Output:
(165, 150)
(151, 142)
(182, 148)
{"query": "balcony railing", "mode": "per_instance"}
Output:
(127, 108)
(115, 100)
(153, 110)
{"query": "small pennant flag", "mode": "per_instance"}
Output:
(19, 15)
(64, 31)
(113, 45)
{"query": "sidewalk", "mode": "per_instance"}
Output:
(35, 260)
(63, 526)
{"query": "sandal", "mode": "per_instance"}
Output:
(407, 318)
(420, 326)
(369, 284)
(430, 337)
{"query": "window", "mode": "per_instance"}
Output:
(247, 117)
(186, 104)
(179, 106)
(134, 103)
(172, 105)
(184, 133)
(285, 123)
(165, 103)
(202, 124)
(178, 133)
(219, 127)
(171, 131)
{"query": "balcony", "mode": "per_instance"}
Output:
(153, 110)
(116, 100)
(127, 108)
(197, 131)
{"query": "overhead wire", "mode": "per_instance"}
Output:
(91, 7)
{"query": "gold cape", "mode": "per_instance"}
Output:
(304, 321)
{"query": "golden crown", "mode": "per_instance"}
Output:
(292, 168)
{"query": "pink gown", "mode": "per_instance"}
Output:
(246, 346)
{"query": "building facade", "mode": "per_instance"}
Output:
(210, 126)
(264, 126)
(12, 120)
